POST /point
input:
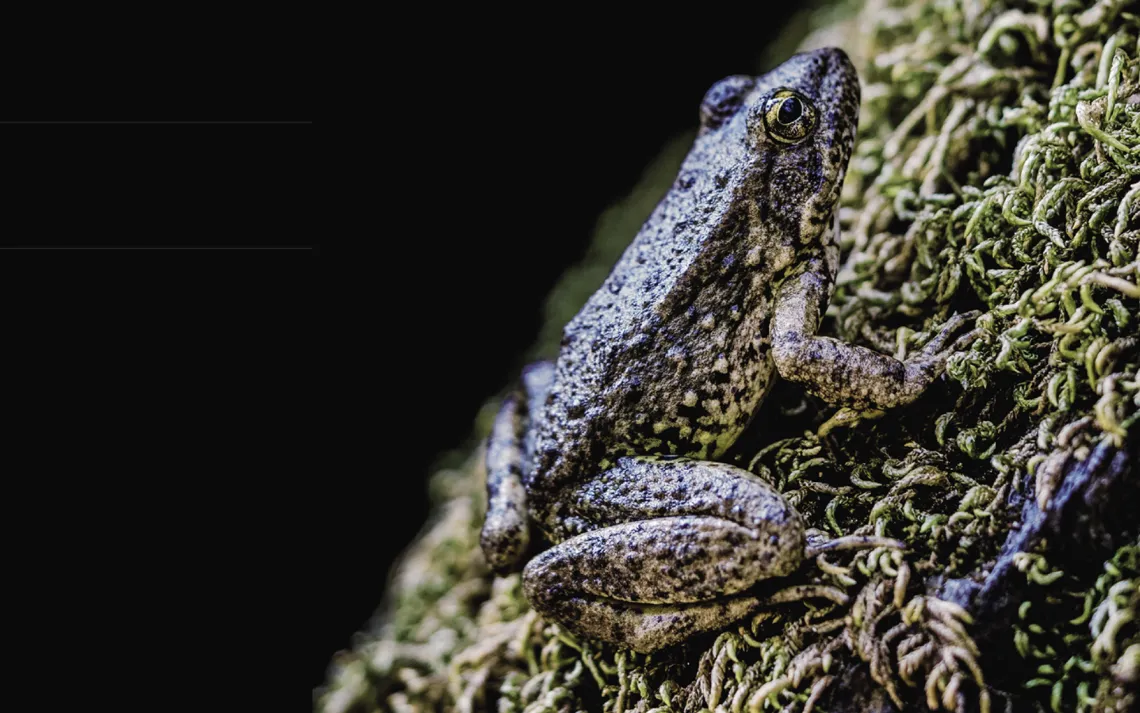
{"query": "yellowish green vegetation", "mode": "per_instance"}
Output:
(997, 168)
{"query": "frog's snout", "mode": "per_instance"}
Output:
(829, 60)
(831, 78)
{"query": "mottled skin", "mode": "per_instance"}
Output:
(611, 450)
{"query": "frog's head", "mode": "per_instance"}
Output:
(798, 124)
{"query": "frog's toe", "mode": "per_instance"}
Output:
(940, 344)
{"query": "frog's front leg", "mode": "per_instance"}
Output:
(678, 542)
(843, 373)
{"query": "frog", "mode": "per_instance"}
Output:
(609, 453)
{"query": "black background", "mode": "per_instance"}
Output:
(521, 134)
(161, 408)
(278, 426)
(158, 185)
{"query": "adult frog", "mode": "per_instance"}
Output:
(611, 451)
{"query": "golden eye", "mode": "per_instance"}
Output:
(789, 116)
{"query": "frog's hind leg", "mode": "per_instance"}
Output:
(506, 531)
(678, 545)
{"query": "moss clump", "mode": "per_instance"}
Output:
(998, 169)
(1083, 642)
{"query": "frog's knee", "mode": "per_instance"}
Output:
(505, 538)
(786, 353)
(794, 355)
(547, 588)
(537, 378)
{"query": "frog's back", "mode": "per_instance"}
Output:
(664, 356)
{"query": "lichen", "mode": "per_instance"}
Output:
(997, 168)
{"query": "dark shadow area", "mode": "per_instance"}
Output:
(161, 185)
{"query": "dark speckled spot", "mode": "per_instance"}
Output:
(690, 412)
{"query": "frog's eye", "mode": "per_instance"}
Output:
(789, 116)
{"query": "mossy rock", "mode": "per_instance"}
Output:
(997, 168)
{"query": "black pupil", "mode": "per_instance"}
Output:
(790, 110)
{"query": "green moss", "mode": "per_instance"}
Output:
(1084, 640)
(998, 168)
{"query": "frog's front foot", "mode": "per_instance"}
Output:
(925, 366)
(678, 545)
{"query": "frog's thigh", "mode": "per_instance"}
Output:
(506, 533)
(687, 539)
(843, 373)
